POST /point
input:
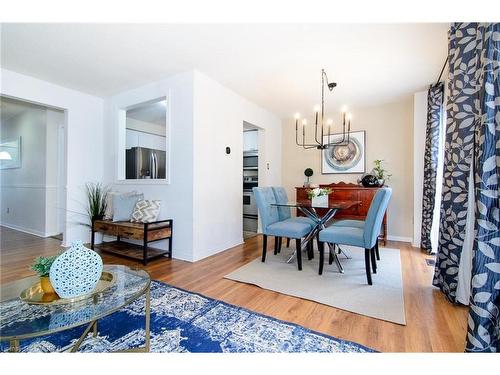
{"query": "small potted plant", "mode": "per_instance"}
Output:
(379, 172)
(308, 173)
(319, 196)
(41, 266)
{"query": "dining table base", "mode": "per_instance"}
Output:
(321, 222)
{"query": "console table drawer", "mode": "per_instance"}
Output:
(129, 232)
(105, 228)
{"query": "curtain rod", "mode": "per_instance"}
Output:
(440, 74)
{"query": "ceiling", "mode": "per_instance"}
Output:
(277, 66)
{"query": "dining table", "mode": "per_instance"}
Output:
(309, 209)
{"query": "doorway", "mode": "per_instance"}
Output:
(250, 178)
(32, 168)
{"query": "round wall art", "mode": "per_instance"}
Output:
(346, 157)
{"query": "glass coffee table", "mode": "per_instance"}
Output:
(20, 320)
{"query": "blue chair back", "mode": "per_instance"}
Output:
(375, 216)
(281, 197)
(264, 197)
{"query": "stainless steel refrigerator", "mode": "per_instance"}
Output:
(144, 162)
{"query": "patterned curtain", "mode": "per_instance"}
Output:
(484, 319)
(433, 131)
(473, 140)
(461, 115)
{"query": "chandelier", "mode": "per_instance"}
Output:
(325, 140)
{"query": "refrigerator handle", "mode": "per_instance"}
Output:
(156, 164)
(151, 166)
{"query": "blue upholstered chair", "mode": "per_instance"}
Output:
(356, 224)
(285, 213)
(273, 226)
(366, 236)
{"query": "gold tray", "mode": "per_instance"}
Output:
(34, 295)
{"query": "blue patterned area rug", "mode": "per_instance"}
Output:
(183, 321)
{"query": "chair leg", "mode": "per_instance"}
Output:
(288, 242)
(321, 247)
(367, 266)
(299, 254)
(276, 240)
(330, 256)
(376, 250)
(264, 247)
(310, 254)
(374, 262)
(280, 240)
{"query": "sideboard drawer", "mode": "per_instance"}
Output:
(346, 195)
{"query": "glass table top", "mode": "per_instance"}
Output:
(342, 205)
(19, 319)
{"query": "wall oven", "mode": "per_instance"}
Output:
(250, 160)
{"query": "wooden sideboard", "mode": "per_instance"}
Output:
(352, 192)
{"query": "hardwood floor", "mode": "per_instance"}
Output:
(433, 324)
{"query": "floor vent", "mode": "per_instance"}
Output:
(430, 262)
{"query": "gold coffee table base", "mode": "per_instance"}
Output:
(15, 347)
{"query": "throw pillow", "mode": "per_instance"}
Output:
(123, 206)
(146, 211)
(108, 214)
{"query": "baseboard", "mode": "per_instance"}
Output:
(400, 239)
(25, 230)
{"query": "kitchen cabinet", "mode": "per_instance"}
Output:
(250, 140)
(135, 138)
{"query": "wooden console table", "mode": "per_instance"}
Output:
(146, 232)
(349, 192)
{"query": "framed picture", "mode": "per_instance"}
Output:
(346, 157)
(10, 153)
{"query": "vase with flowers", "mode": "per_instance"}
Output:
(319, 196)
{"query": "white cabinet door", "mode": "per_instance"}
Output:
(132, 139)
(250, 140)
(153, 141)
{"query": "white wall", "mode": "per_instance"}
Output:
(176, 197)
(219, 114)
(389, 136)
(204, 196)
(84, 120)
(54, 208)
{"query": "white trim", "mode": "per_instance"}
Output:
(29, 186)
(400, 239)
(26, 230)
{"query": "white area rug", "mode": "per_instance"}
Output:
(348, 291)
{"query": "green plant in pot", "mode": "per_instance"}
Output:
(96, 200)
(379, 172)
(41, 266)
